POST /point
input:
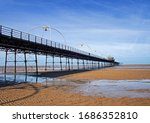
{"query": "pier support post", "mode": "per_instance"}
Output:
(98, 65)
(6, 56)
(36, 63)
(78, 63)
(46, 62)
(83, 64)
(92, 65)
(25, 62)
(104, 64)
(101, 64)
(60, 63)
(87, 65)
(53, 62)
(72, 63)
(15, 60)
(68, 64)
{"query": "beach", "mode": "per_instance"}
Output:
(32, 94)
(111, 74)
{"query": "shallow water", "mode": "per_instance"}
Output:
(116, 88)
(21, 78)
(107, 88)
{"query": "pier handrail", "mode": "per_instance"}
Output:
(13, 33)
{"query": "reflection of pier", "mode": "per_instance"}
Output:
(57, 56)
(48, 77)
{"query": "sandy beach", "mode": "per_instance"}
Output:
(60, 95)
(111, 74)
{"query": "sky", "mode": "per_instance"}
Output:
(118, 28)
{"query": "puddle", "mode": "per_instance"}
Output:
(107, 88)
(21, 78)
(116, 88)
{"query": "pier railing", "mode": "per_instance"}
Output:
(13, 33)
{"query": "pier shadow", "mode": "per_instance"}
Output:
(11, 80)
(35, 89)
(55, 74)
(4, 83)
(33, 77)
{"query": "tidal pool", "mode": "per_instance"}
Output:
(116, 88)
(105, 88)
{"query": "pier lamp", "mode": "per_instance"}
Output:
(49, 28)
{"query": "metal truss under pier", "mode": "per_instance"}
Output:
(14, 41)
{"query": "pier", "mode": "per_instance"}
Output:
(57, 55)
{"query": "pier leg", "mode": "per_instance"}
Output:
(36, 63)
(6, 55)
(83, 65)
(72, 63)
(26, 78)
(101, 64)
(66, 64)
(53, 63)
(78, 63)
(69, 64)
(87, 65)
(46, 63)
(15, 77)
(92, 64)
(25, 62)
(60, 63)
(15, 60)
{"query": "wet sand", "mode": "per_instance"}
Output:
(33, 94)
(60, 95)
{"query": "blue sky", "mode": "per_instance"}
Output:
(119, 28)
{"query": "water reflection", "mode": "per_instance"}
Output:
(21, 78)
(107, 88)
(7, 79)
(116, 88)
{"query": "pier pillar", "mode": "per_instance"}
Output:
(83, 64)
(36, 63)
(46, 62)
(92, 65)
(105, 64)
(53, 62)
(98, 65)
(87, 64)
(68, 64)
(25, 62)
(101, 64)
(15, 61)
(6, 56)
(78, 63)
(60, 63)
(72, 63)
